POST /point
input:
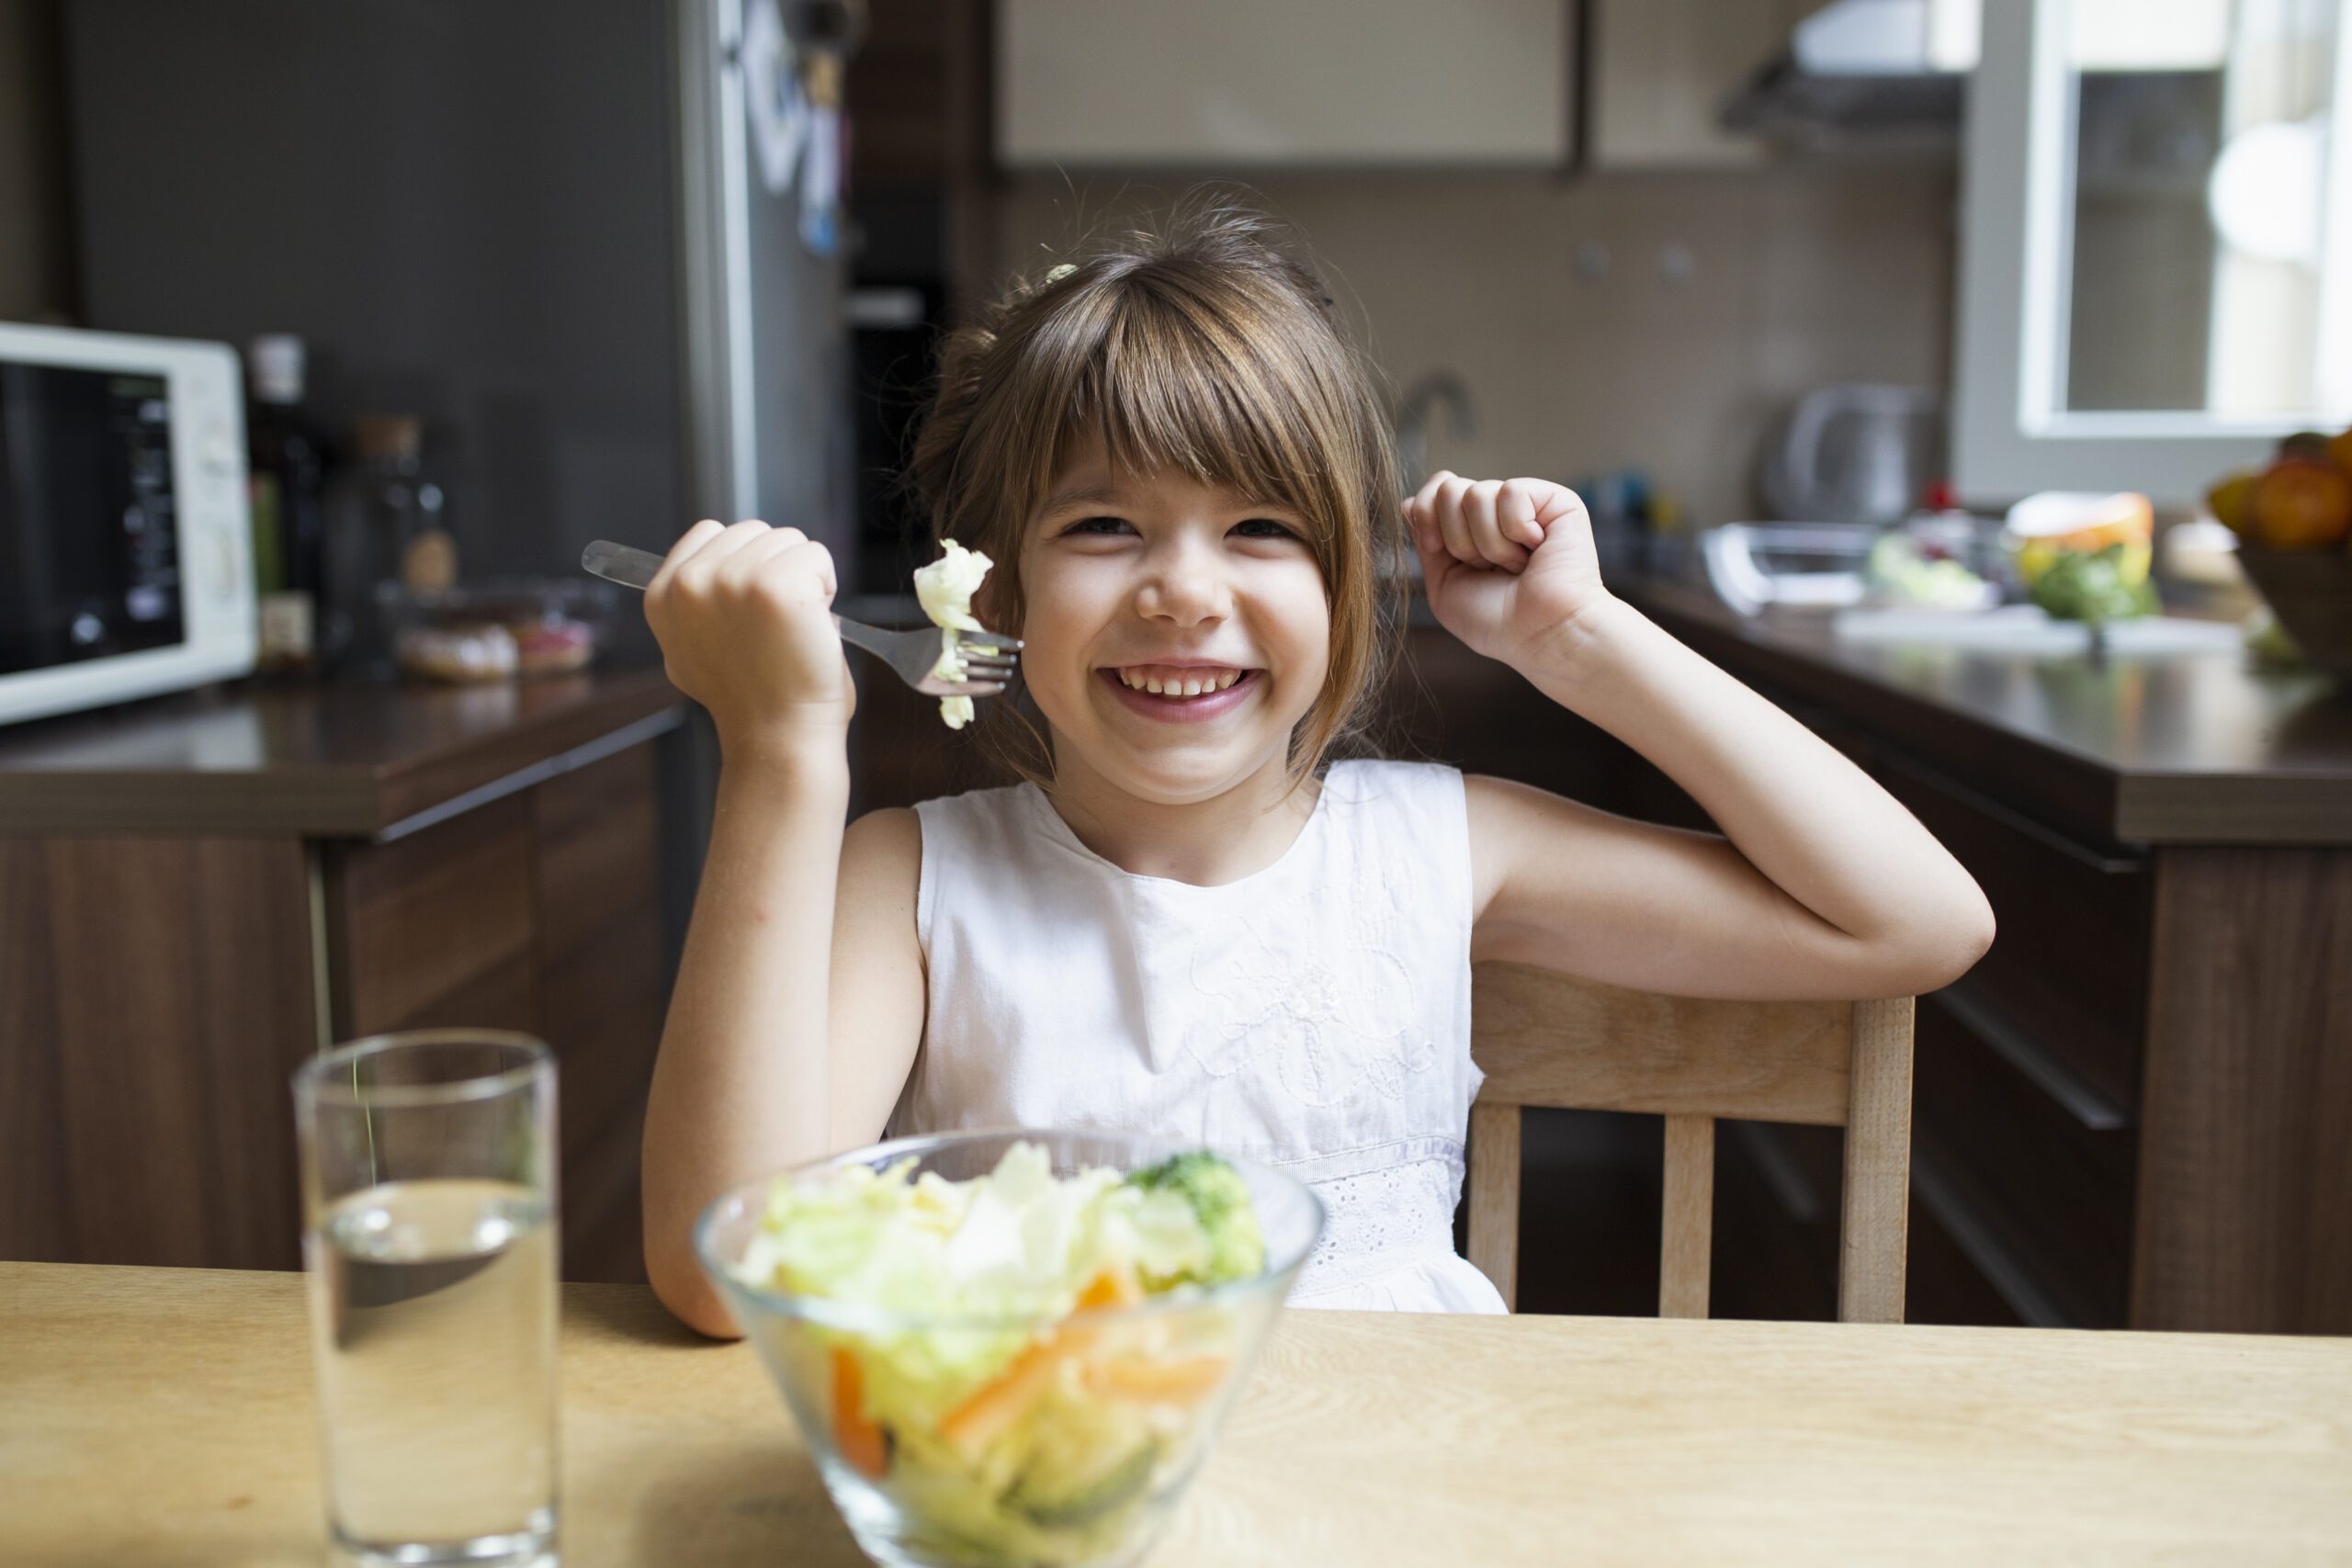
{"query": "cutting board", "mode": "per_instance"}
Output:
(2028, 629)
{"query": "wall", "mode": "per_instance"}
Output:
(34, 248)
(468, 211)
(1798, 273)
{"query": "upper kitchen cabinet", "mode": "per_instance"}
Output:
(1305, 83)
(1662, 70)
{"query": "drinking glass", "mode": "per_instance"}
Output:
(429, 1233)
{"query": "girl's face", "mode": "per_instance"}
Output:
(1137, 581)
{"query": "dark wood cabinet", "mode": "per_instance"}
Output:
(155, 995)
(2135, 1110)
(157, 988)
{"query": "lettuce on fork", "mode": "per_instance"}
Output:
(945, 590)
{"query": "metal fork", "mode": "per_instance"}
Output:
(988, 658)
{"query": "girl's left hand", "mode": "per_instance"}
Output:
(1507, 563)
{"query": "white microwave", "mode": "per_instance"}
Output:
(125, 545)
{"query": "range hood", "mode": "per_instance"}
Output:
(1864, 75)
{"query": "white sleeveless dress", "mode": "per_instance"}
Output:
(1314, 1015)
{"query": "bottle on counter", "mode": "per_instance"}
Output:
(388, 537)
(286, 488)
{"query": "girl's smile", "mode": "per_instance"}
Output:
(1188, 693)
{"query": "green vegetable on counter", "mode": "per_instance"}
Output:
(1900, 570)
(2094, 586)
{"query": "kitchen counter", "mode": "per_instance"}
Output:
(329, 759)
(2186, 747)
(2134, 1110)
(198, 892)
(168, 1412)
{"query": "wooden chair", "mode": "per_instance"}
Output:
(1546, 1040)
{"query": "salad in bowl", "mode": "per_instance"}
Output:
(1009, 1348)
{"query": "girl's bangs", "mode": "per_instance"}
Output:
(1158, 391)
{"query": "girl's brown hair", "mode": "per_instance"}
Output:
(1205, 347)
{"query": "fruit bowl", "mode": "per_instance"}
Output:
(1060, 1437)
(2311, 592)
(2293, 520)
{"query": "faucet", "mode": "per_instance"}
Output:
(1413, 420)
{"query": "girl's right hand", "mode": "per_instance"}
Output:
(744, 618)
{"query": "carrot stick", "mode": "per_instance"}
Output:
(856, 1434)
(983, 1417)
(981, 1420)
(1111, 1288)
(1177, 1382)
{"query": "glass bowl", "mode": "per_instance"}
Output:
(498, 628)
(1063, 1441)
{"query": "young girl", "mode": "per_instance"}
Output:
(1188, 922)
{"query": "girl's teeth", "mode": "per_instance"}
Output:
(1190, 687)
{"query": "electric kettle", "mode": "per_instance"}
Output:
(1855, 454)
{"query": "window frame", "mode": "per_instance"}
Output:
(2011, 436)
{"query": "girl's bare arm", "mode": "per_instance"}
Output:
(742, 1084)
(747, 1079)
(1821, 884)
(798, 1007)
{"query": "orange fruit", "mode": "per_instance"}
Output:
(2231, 499)
(2301, 505)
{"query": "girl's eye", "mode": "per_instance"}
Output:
(1264, 528)
(1096, 526)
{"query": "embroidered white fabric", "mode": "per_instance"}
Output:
(1397, 1219)
(1314, 1015)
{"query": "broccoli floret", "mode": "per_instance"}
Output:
(2094, 586)
(1220, 1199)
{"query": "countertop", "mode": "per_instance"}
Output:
(2183, 748)
(166, 1413)
(2194, 748)
(317, 759)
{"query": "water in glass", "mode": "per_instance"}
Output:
(434, 1306)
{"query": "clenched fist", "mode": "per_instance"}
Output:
(744, 617)
(1507, 563)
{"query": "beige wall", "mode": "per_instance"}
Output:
(34, 279)
(2142, 301)
(1800, 274)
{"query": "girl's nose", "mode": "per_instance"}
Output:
(1183, 584)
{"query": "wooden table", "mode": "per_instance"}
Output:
(165, 1415)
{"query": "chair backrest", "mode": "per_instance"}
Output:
(1544, 1039)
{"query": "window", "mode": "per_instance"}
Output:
(2157, 264)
